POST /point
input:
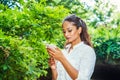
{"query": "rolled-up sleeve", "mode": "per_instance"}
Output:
(87, 64)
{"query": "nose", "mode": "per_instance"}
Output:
(66, 34)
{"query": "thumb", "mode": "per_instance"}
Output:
(57, 48)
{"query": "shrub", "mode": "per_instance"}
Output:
(107, 44)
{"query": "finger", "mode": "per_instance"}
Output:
(58, 49)
(51, 53)
(51, 49)
(51, 61)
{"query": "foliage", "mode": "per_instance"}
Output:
(23, 33)
(19, 57)
(11, 3)
(75, 7)
(107, 44)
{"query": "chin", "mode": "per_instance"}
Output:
(69, 41)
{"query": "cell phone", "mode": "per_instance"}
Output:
(51, 46)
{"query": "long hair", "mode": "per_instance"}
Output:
(78, 22)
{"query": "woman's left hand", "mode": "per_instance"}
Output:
(55, 53)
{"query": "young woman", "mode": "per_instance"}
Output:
(77, 60)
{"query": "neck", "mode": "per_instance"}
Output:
(75, 42)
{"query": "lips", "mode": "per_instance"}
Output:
(68, 38)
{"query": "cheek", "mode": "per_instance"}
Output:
(75, 33)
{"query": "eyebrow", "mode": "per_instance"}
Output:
(68, 27)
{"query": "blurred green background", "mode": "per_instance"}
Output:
(27, 25)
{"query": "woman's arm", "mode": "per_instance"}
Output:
(52, 65)
(73, 73)
(58, 55)
(54, 74)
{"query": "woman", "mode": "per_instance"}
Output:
(77, 60)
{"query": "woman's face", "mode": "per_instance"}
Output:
(70, 31)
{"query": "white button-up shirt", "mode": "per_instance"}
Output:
(82, 57)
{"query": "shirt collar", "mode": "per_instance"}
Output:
(75, 46)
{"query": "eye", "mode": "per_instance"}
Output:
(64, 31)
(70, 30)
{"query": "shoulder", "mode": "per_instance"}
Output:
(88, 50)
(86, 47)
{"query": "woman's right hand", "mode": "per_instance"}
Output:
(52, 63)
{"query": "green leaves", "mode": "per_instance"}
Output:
(22, 33)
(106, 44)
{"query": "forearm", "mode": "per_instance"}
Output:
(54, 74)
(73, 73)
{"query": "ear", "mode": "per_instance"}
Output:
(80, 30)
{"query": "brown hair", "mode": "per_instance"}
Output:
(78, 22)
